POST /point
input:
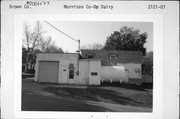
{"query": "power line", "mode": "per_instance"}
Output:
(61, 31)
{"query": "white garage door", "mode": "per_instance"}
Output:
(48, 71)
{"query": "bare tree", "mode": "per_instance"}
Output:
(31, 40)
(45, 43)
(26, 43)
(54, 49)
(36, 35)
(34, 42)
(27, 36)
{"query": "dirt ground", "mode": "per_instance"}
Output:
(106, 98)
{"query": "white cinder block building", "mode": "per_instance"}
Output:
(90, 68)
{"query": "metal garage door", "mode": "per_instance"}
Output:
(48, 71)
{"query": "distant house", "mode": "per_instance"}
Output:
(92, 67)
(113, 57)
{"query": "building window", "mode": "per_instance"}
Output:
(71, 66)
(89, 56)
(112, 57)
(94, 73)
(71, 74)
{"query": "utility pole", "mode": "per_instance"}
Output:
(79, 50)
(78, 57)
(78, 41)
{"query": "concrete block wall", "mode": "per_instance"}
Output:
(94, 72)
(83, 77)
(64, 61)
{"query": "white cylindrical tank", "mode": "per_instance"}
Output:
(113, 74)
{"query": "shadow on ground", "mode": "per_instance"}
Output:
(32, 102)
(107, 97)
(27, 75)
(141, 87)
(98, 94)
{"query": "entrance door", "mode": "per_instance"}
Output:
(71, 74)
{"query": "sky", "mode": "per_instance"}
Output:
(89, 32)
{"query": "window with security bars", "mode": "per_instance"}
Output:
(71, 66)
